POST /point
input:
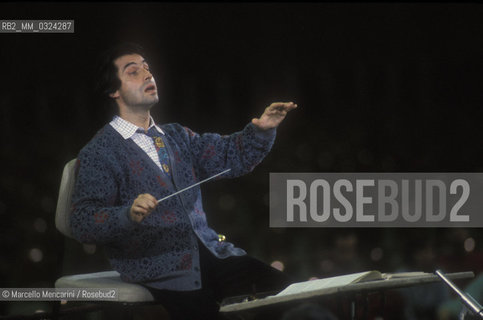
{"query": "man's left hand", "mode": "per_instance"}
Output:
(273, 115)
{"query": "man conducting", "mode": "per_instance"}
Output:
(131, 162)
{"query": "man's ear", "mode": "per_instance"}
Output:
(114, 95)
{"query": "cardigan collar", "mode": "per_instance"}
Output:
(127, 129)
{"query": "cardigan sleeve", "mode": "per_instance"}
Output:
(240, 151)
(95, 218)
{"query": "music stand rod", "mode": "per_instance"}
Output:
(468, 300)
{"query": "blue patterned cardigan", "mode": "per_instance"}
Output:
(113, 171)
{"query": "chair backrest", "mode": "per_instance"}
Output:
(62, 214)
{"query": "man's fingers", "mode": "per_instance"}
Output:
(142, 206)
(283, 104)
(278, 111)
(152, 200)
(148, 200)
(138, 209)
(279, 103)
(276, 114)
(147, 204)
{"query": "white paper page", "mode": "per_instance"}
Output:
(318, 284)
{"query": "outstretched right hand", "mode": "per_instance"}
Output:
(142, 207)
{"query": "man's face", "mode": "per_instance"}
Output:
(138, 88)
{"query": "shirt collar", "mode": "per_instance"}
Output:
(128, 129)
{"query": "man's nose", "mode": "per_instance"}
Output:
(148, 74)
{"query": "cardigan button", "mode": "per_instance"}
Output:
(197, 283)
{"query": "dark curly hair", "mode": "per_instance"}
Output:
(107, 79)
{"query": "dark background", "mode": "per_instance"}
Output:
(380, 88)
